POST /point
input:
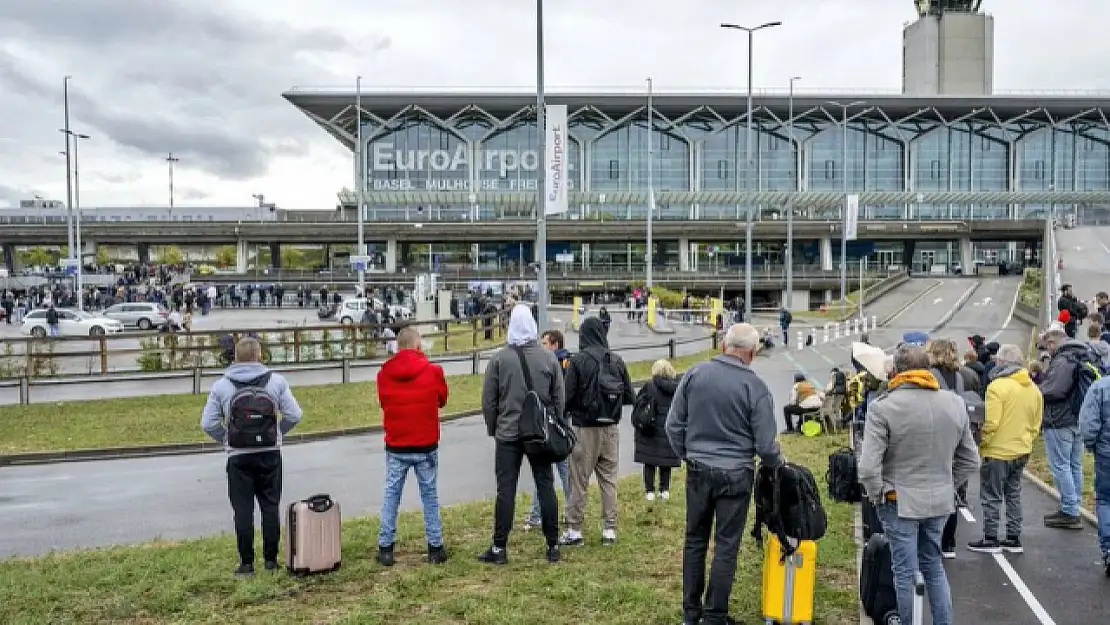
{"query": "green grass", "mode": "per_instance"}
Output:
(1038, 465)
(1032, 283)
(637, 582)
(167, 419)
(833, 313)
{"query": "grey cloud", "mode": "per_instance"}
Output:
(194, 194)
(12, 195)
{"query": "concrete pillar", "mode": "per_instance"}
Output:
(88, 251)
(143, 252)
(967, 255)
(475, 255)
(684, 254)
(275, 255)
(11, 257)
(391, 256)
(826, 254)
(327, 256)
(406, 255)
(585, 257)
(241, 251)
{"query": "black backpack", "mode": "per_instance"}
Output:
(1087, 372)
(788, 504)
(607, 392)
(643, 413)
(545, 435)
(843, 478)
(252, 415)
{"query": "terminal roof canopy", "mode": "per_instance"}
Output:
(937, 7)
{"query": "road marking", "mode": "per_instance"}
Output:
(966, 514)
(1009, 317)
(1026, 594)
(936, 285)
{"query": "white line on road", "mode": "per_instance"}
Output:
(966, 514)
(914, 300)
(1009, 317)
(1026, 594)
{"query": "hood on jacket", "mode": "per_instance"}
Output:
(666, 386)
(1070, 346)
(245, 371)
(592, 334)
(1100, 349)
(406, 365)
(921, 378)
(522, 326)
(1016, 373)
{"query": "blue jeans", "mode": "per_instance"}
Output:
(54, 329)
(1102, 501)
(1064, 449)
(396, 470)
(915, 545)
(564, 477)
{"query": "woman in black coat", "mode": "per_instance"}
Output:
(649, 417)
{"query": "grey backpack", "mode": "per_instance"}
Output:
(976, 407)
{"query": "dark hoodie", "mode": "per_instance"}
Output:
(581, 375)
(1059, 384)
(655, 450)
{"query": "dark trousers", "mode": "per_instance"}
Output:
(720, 496)
(790, 411)
(948, 535)
(506, 466)
(251, 477)
(649, 478)
(1000, 491)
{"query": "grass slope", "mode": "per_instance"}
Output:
(1038, 465)
(166, 419)
(637, 582)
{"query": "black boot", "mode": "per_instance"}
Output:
(385, 556)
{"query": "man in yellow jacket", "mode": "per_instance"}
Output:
(1013, 420)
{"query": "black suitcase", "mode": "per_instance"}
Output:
(870, 516)
(876, 582)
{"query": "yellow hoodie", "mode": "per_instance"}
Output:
(1014, 412)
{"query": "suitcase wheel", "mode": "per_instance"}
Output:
(891, 618)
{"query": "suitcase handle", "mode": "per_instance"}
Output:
(320, 503)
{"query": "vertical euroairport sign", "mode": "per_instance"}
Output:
(851, 217)
(555, 181)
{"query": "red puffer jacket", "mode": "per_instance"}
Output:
(411, 391)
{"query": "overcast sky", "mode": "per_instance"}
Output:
(203, 78)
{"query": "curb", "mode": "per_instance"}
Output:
(912, 301)
(960, 303)
(1045, 488)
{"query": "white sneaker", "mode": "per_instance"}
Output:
(608, 537)
(665, 495)
(650, 497)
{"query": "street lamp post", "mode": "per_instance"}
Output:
(360, 183)
(171, 160)
(541, 153)
(651, 184)
(76, 251)
(790, 206)
(69, 168)
(748, 156)
(844, 208)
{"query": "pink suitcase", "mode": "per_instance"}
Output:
(313, 536)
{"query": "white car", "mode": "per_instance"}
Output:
(351, 310)
(70, 323)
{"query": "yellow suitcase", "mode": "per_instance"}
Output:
(788, 586)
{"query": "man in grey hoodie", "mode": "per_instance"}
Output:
(248, 411)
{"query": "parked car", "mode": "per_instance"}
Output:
(141, 315)
(351, 310)
(70, 323)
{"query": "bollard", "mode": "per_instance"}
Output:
(716, 340)
(196, 380)
(801, 340)
(346, 371)
(672, 349)
(874, 322)
(847, 329)
(825, 337)
(836, 331)
(25, 390)
(475, 363)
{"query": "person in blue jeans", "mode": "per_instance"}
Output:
(913, 485)
(1063, 443)
(1093, 419)
(411, 391)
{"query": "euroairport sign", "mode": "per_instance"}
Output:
(386, 157)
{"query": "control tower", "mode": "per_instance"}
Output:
(949, 50)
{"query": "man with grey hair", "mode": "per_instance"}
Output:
(1014, 409)
(911, 484)
(249, 410)
(1062, 441)
(721, 419)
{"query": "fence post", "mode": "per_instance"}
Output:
(346, 370)
(103, 356)
(196, 380)
(24, 390)
(716, 340)
(446, 330)
(672, 349)
(475, 362)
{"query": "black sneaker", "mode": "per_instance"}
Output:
(986, 545)
(1064, 522)
(553, 554)
(1012, 545)
(385, 556)
(244, 571)
(437, 555)
(1054, 517)
(271, 566)
(494, 556)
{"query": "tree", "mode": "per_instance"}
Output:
(292, 258)
(38, 257)
(227, 256)
(102, 257)
(171, 255)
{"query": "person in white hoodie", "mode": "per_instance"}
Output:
(249, 410)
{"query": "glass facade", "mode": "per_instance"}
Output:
(707, 150)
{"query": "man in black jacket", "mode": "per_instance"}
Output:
(1069, 303)
(597, 386)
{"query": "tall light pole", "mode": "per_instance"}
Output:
(651, 183)
(844, 209)
(80, 254)
(171, 160)
(541, 153)
(69, 167)
(790, 206)
(748, 156)
(360, 184)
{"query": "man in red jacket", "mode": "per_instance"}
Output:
(411, 391)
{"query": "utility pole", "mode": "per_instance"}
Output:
(171, 159)
(360, 184)
(651, 185)
(69, 166)
(541, 153)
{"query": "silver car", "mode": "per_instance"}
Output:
(141, 315)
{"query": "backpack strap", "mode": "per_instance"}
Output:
(788, 549)
(524, 367)
(260, 382)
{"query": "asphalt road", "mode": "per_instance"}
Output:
(1086, 254)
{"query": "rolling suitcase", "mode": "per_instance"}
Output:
(876, 582)
(788, 583)
(313, 536)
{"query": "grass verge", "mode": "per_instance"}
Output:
(168, 419)
(1038, 465)
(636, 582)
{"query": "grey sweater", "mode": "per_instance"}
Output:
(214, 418)
(723, 416)
(504, 388)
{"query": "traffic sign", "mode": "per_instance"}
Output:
(360, 263)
